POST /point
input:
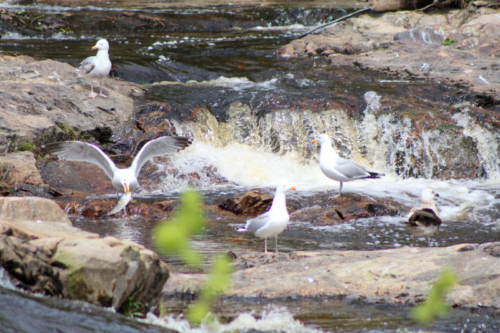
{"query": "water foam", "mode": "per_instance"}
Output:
(245, 166)
(273, 319)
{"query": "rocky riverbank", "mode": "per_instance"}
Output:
(46, 101)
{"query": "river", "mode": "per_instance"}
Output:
(226, 53)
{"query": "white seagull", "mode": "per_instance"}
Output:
(97, 66)
(424, 220)
(340, 169)
(273, 222)
(123, 180)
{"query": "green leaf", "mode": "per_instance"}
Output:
(173, 236)
(435, 305)
(197, 311)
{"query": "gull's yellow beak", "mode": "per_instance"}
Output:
(126, 188)
(314, 141)
(94, 47)
(293, 188)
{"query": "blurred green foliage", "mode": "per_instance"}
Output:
(173, 237)
(435, 305)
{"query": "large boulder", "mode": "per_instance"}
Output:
(44, 253)
(43, 101)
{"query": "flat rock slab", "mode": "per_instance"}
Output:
(401, 276)
(44, 253)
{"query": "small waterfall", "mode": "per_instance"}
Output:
(387, 142)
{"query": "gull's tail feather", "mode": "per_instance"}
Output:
(375, 174)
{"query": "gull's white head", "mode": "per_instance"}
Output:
(283, 188)
(428, 196)
(323, 139)
(102, 44)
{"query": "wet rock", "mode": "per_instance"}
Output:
(251, 203)
(372, 276)
(43, 253)
(323, 209)
(76, 178)
(98, 208)
(45, 101)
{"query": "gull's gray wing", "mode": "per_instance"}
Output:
(162, 146)
(87, 65)
(350, 169)
(82, 152)
(257, 223)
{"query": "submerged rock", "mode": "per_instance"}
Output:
(43, 253)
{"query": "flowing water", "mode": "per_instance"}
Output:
(234, 63)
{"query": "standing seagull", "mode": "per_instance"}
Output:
(97, 67)
(424, 220)
(340, 169)
(273, 222)
(123, 180)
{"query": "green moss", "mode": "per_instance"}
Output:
(26, 146)
(78, 288)
(446, 127)
(69, 131)
(448, 42)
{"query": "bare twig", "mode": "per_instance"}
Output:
(335, 21)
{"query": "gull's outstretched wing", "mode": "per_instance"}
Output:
(87, 65)
(82, 152)
(162, 146)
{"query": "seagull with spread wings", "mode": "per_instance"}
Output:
(123, 180)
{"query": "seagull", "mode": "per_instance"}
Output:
(340, 169)
(273, 222)
(123, 180)
(424, 220)
(97, 66)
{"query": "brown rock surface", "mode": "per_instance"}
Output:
(43, 253)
